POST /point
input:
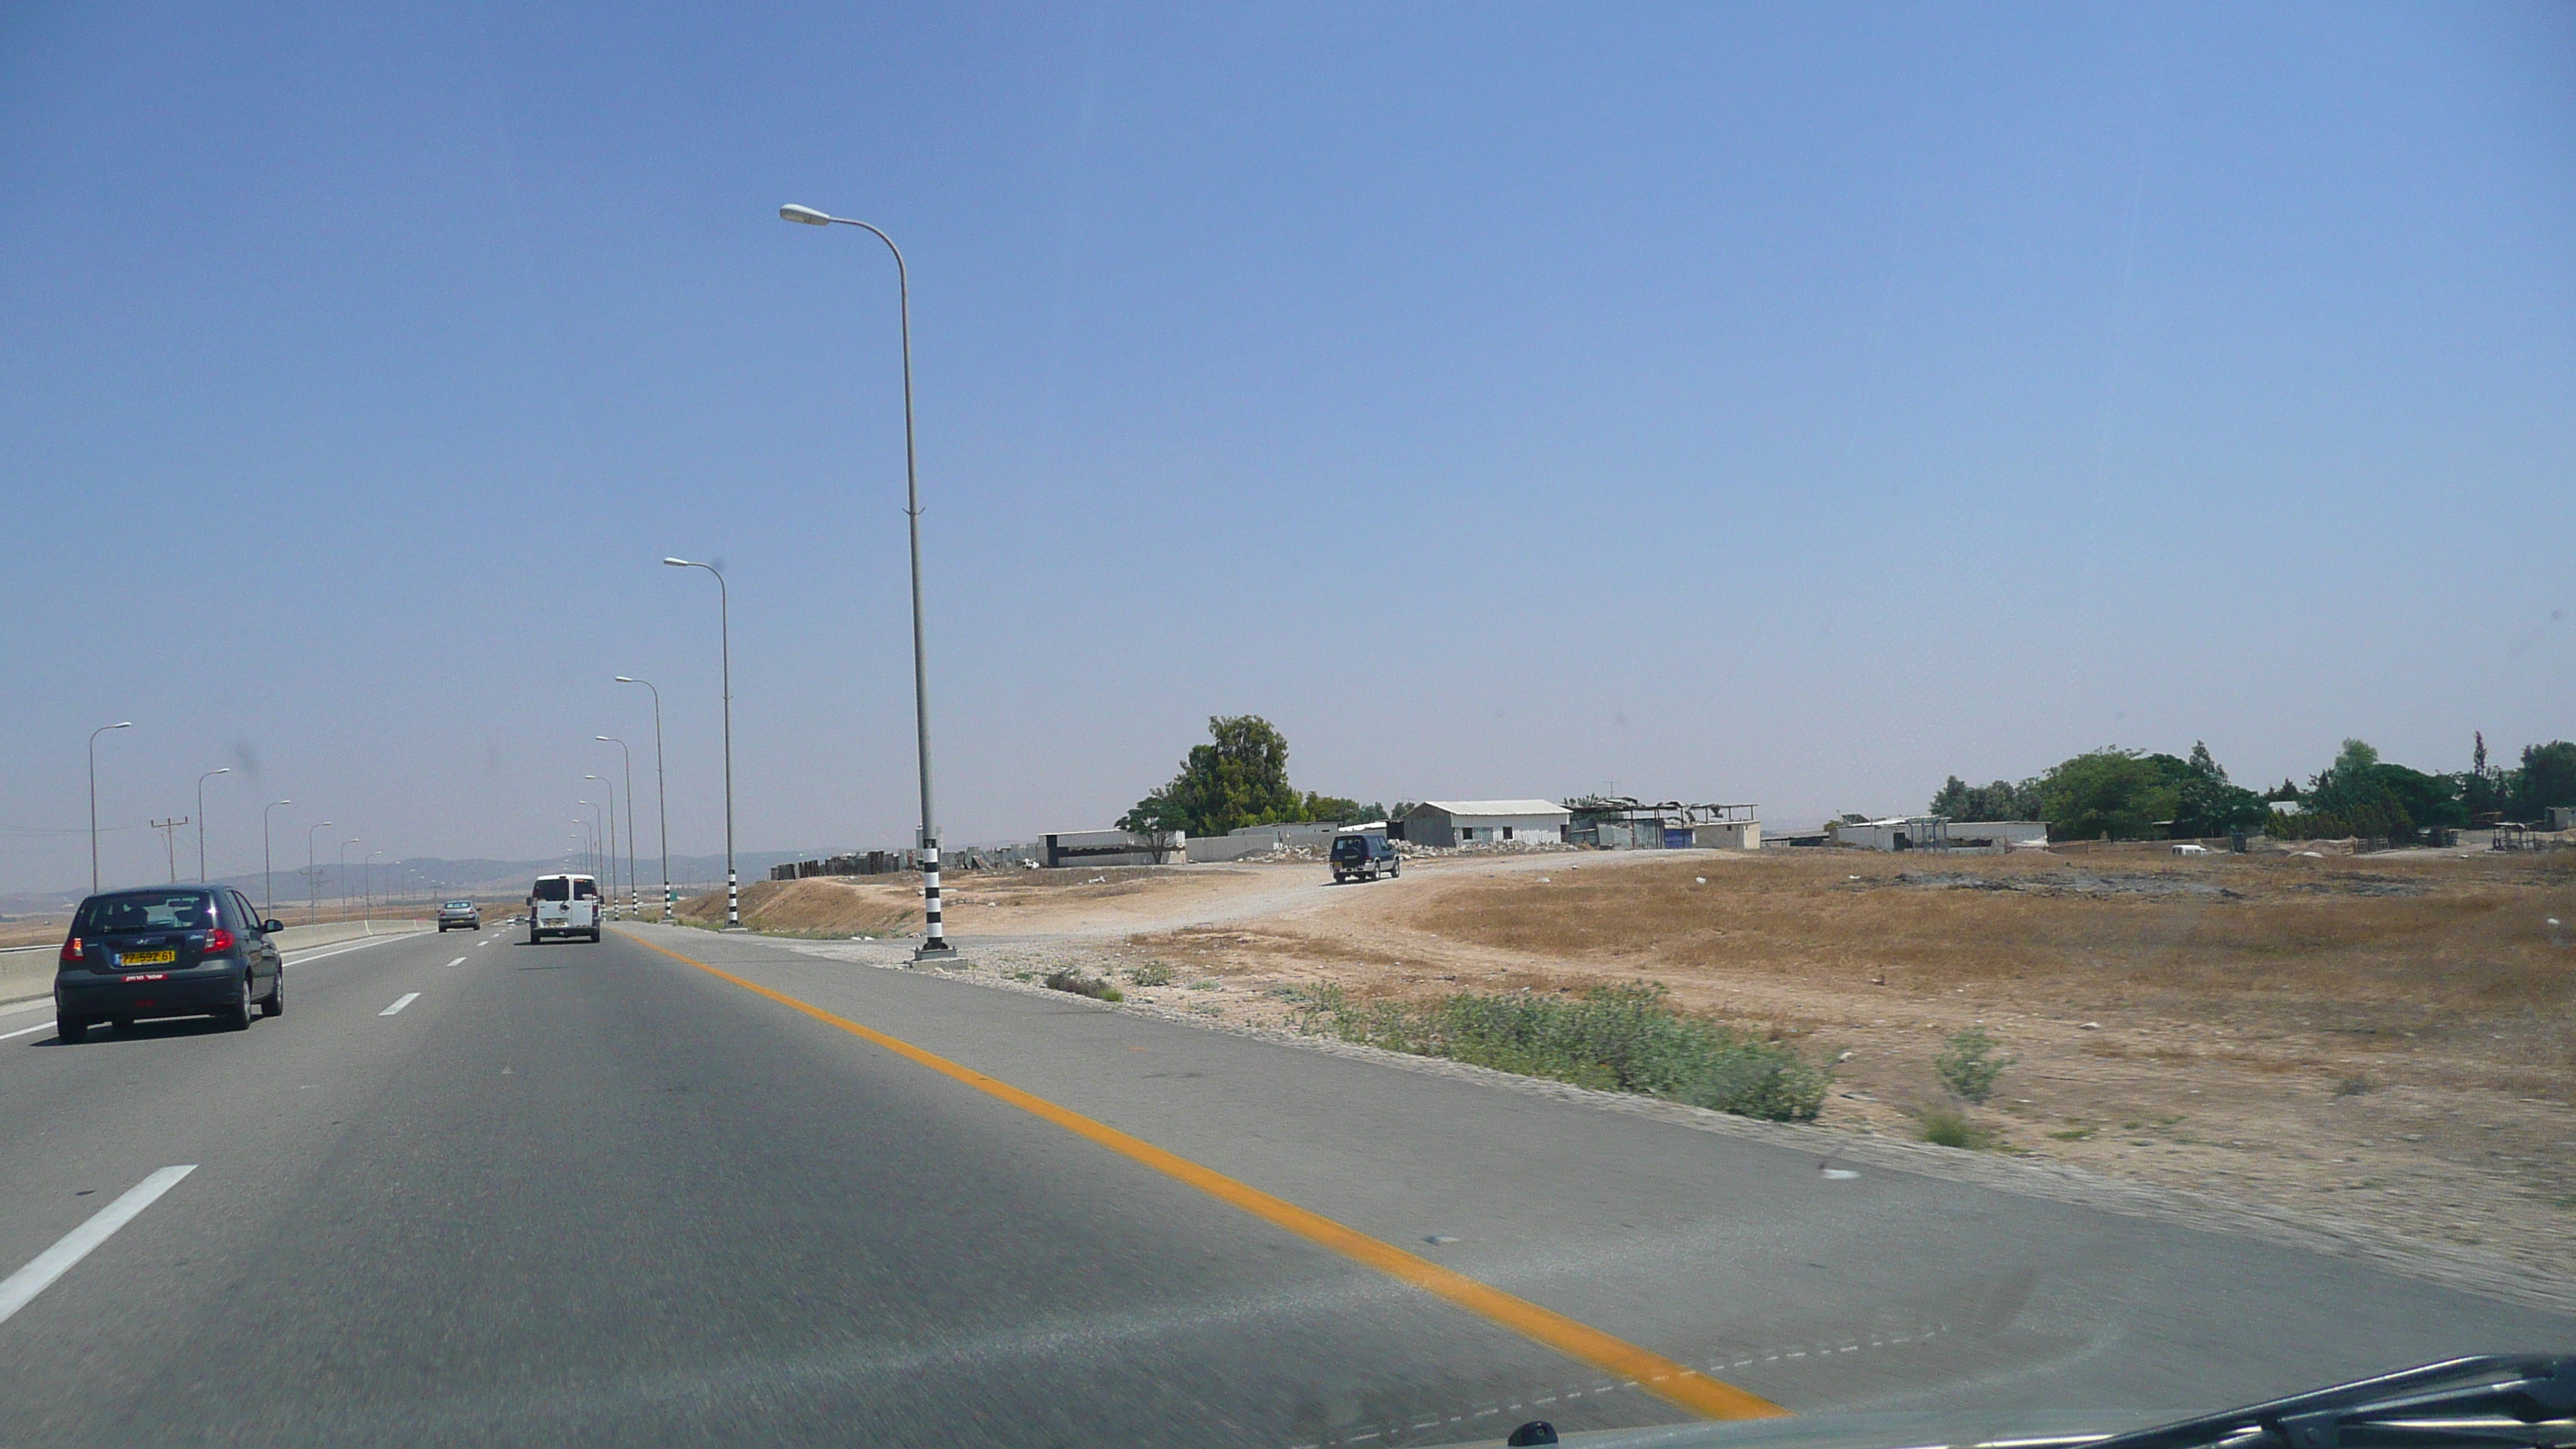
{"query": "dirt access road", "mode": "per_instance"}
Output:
(2381, 1047)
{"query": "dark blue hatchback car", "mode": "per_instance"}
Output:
(167, 951)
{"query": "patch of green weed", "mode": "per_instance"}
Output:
(1947, 1126)
(1624, 1038)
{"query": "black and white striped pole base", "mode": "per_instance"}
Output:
(934, 940)
(733, 901)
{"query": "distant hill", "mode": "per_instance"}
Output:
(421, 878)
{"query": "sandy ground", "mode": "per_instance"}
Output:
(2400, 1060)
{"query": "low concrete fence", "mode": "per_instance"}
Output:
(28, 971)
(297, 938)
(1207, 849)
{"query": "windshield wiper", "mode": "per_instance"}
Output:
(2525, 1399)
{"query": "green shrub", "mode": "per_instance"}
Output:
(1081, 985)
(1947, 1126)
(1622, 1038)
(1152, 973)
(1968, 1066)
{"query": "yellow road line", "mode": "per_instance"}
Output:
(1650, 1371)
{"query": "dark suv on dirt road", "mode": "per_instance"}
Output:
(1364, 857)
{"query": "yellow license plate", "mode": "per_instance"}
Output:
(147, 958)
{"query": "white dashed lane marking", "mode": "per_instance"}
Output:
(18, 1288)
(406, 999)
(459, 961)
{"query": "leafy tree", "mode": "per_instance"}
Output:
(1335, 809)
(1239, 778)
(2109, 791)
(2002, 800)
(2206, 802)
(2362, 794)
(2547, 777)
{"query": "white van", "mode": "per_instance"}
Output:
(563, 905)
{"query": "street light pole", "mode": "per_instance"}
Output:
(267, 881)
(634, 896)
(312, 875)
(724, 634)
(612, 838)
(661, 805)
(93, 798)
(201, 819)
(934, 942)
(609, 855)
(344, 875)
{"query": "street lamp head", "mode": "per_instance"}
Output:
(119, 725)
(603, 739)
(226, 770)
(806, 214)
(679, 563)
(622, 679)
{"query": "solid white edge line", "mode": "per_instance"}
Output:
(406, 999)
(20, 1287)
(26, 1030)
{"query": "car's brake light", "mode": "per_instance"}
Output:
(72, 952)
(218, 941)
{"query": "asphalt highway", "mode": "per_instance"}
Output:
(469, 1191)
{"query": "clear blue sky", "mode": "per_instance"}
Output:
(1786, 404)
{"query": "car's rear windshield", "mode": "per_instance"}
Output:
(145, 911)
(460, 905)
(585, 890)
(1351, 845)
(553, 888)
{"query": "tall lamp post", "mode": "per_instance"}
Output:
(343, 873)
(661, 805)
(724, 634)
(201, 819)
(93, 797)
(607, 855)
(312, 875)
(634, 898)
(267, 881)
(612, 837)
(934, 942)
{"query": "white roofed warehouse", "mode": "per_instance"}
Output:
(1480, 822)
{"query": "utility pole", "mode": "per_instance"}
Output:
(170, 842)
